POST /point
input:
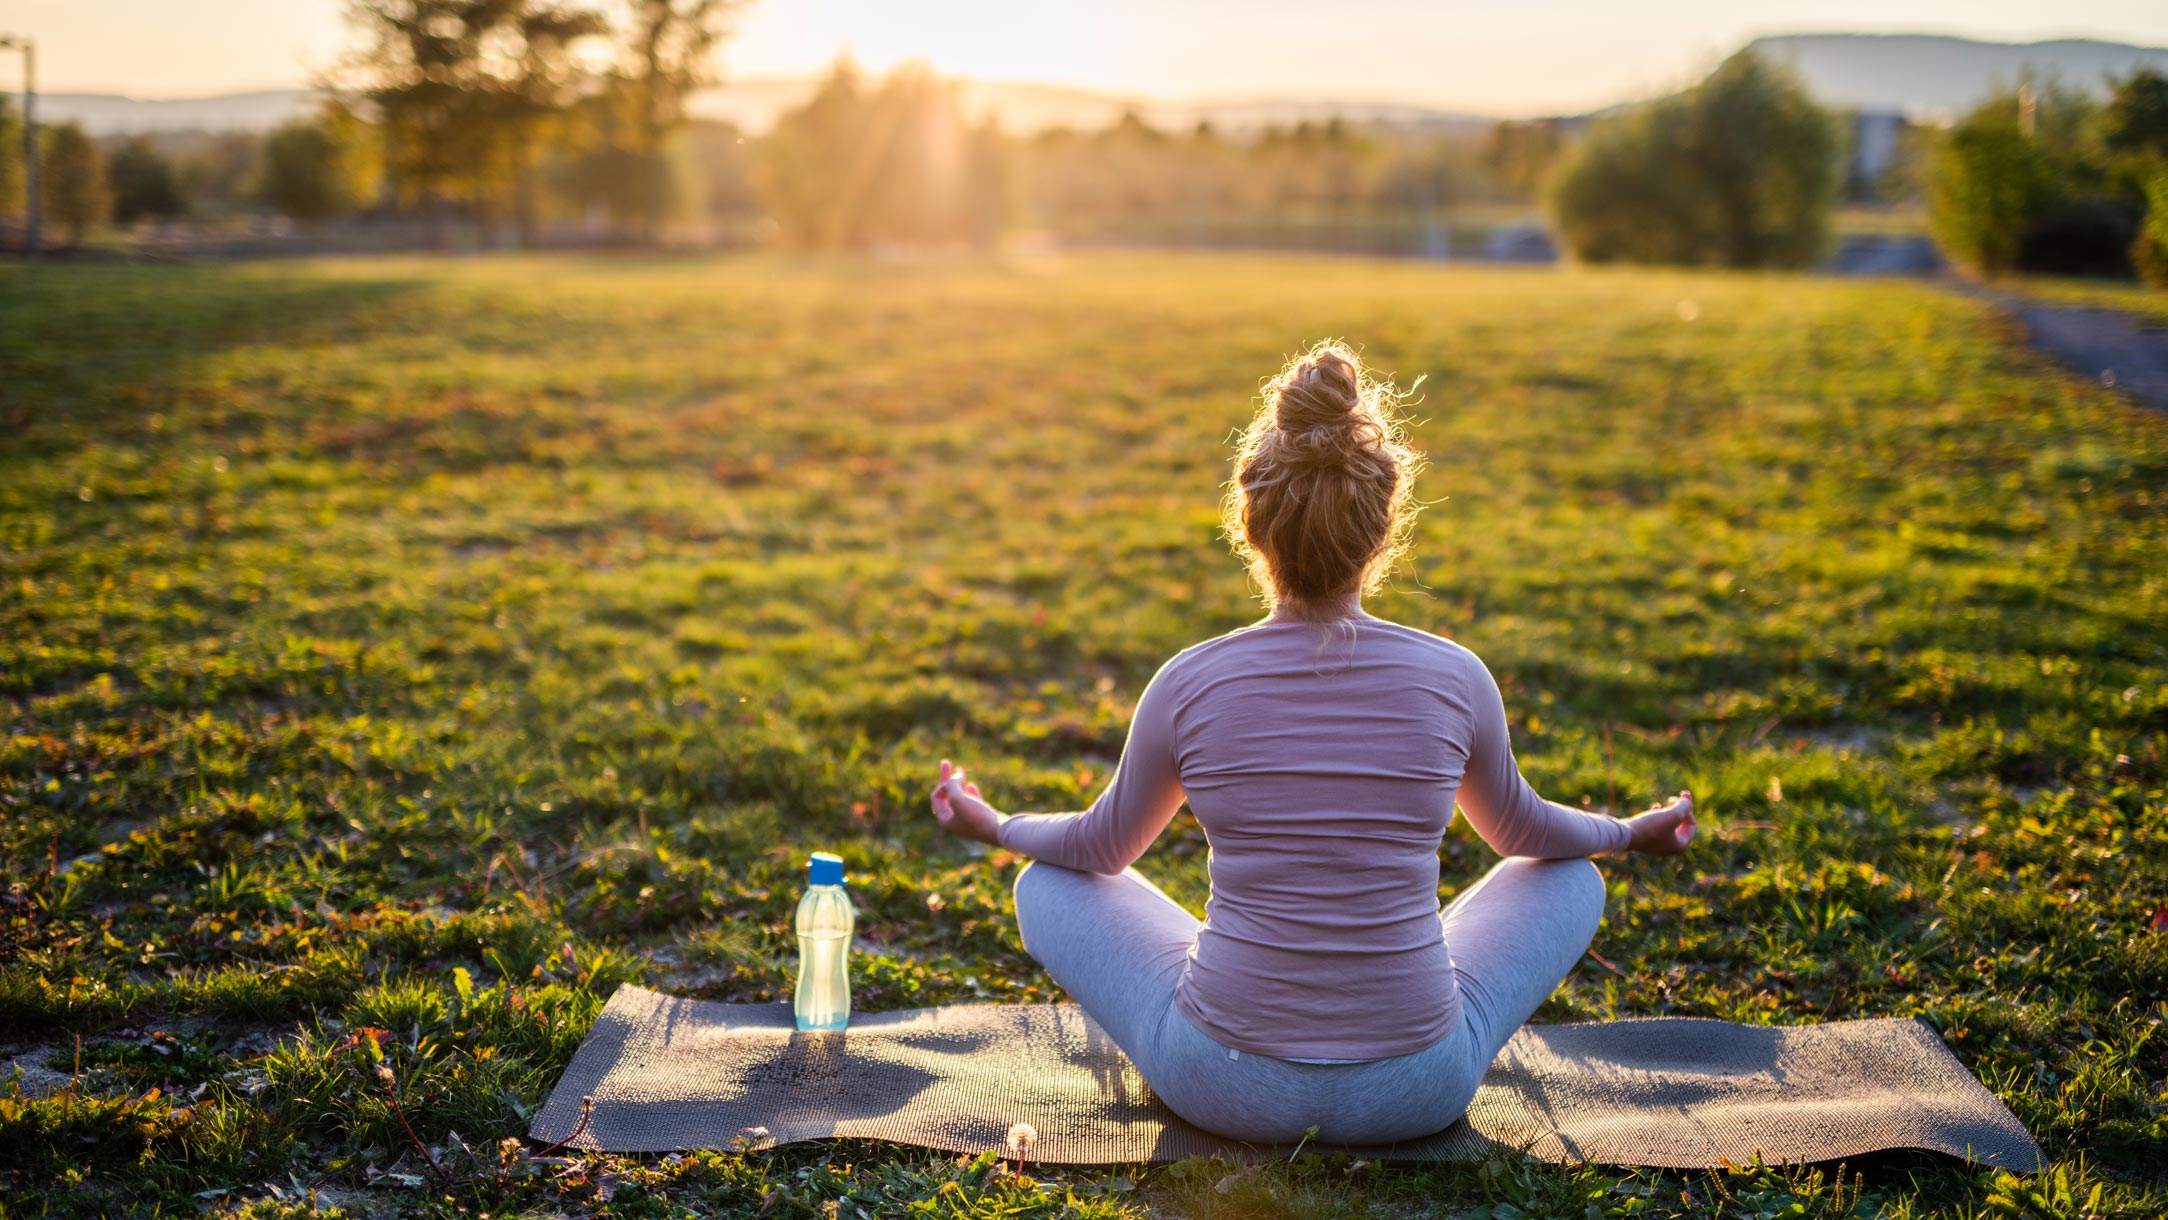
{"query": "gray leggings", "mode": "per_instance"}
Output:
(1118, 944)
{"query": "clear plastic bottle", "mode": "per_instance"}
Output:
(825, 919)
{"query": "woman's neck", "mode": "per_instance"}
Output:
(1324, 610)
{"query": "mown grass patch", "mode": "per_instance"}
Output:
(397, 656)
(2148, 305)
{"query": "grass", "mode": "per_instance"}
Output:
(396, 656)
(2149, 306)
(1881, 220)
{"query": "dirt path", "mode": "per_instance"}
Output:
(2115, 347)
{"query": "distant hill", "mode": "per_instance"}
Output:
(105, 114)
(1932, 74)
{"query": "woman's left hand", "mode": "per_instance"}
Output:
(1663, 830)
(961, 811)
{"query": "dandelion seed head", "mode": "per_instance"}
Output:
(385, 1078)
(1021, 1137)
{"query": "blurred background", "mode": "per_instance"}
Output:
(1891, 138)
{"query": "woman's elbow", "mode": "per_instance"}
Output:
(1104, 858)
(1109, 865)
(1514, 840)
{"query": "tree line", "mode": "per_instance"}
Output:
(864, 160)
(497, 111)
(510, 116)
(900, 160)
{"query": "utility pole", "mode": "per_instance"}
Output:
(32, 203)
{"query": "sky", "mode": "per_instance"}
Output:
(1528, 57)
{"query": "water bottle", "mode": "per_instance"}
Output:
(824, 946)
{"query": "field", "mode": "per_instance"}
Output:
(397, 656)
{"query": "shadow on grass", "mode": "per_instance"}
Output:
(94, 350)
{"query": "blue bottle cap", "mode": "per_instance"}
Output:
(826, 868)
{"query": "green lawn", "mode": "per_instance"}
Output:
(396, 656)
(2148, 305)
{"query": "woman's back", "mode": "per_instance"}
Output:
(1323, 760)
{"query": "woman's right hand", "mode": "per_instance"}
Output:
(1663, 830)
(961, 811)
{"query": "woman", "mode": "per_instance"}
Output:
(1322, 750)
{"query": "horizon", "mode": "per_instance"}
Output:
(1479, 63)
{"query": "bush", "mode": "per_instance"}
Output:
(143, 184)
(74, 185)
(2149, 253)
(2023, 183)
(317, 168)
(1738, 171)
(1989, 183)
(2088, 235)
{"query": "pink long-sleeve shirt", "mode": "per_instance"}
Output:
(1323, 761)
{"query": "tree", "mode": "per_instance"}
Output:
(317, 168)
(2136, 119)
(668, 54)
(2135, 127)
(74, 183)
(670, 49)
(1989, 183)
(2019, 182)
(143, 184)
(467, 92)
(216, 170)
(1739, 171)
(896, 163)
(1520, 153)
(2149, 253)
(11, 158)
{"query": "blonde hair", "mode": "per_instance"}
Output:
(1319, 505)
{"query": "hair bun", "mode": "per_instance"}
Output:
(1323, 390)
(1319, 501)
(1319, 412)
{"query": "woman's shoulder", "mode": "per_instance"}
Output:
(1201, 651)
(1419, 644)
(1419, 636)
(1429, 644)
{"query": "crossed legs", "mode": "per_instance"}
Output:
(1118, 944)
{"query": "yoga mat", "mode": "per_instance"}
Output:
(669, 1074)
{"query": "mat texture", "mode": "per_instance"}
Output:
(668, 1074)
